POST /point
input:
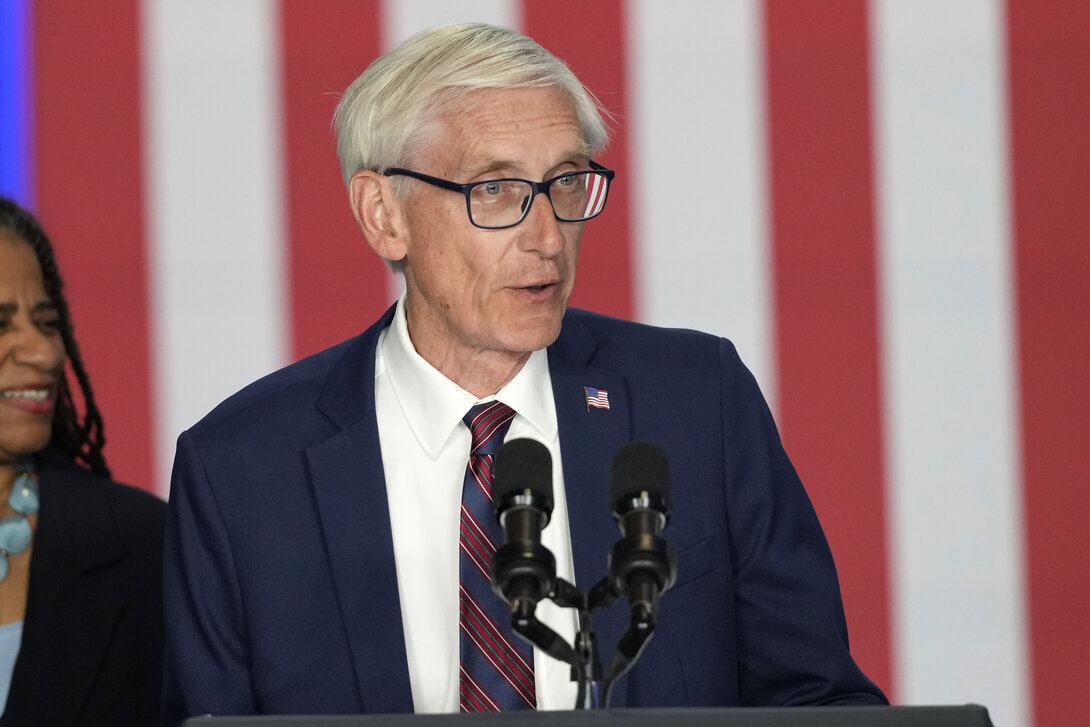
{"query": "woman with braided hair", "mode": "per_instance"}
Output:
(80, 555)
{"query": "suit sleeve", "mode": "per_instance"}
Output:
(207, 662)
(792, 635)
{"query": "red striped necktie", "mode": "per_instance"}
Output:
(497, 667)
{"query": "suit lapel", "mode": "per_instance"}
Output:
(588, 438)
(350, 491)
(69, 599)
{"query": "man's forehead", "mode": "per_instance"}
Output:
(494, 129)
(471, 163)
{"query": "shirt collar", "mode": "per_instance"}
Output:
(434, 405)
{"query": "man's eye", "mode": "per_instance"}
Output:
(565, 181)
(492, 188)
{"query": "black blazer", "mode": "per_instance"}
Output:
(92, 646)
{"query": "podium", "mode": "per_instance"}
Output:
(970, 715)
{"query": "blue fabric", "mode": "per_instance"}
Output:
(281, 587)
(11, 637)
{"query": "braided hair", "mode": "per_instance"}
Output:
(81, 440)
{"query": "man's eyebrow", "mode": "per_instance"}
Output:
(579, 154)
(487, 166)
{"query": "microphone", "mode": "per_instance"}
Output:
(523, 570)
(642, 565)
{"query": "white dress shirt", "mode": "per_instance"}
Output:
(425, 451)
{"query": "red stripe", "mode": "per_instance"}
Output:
(87, 96)
(476, 545)
(1050, 153)
(490, 416)
(481, 468)
(476, 533)
(496, 648)
(590, 37)
(498, 657)
(338, 285)
(825, 301)
(513, 658)
(487, 421)
(473, 696)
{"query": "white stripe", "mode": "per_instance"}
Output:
(953, 448)
(698, 180)
(593, 197)
(475, 526)
(213, 160)
(477, 690)
(494, 630)
(404, 18)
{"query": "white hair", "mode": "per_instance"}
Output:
(383, 117)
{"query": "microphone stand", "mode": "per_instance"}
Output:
(641, 626)
(583, 658)
(594, 690)
(588, 673)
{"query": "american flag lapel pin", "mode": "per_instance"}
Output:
(598, 398)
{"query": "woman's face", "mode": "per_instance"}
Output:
(31, 352)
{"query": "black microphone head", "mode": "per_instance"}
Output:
(524, 464)
(641, 467)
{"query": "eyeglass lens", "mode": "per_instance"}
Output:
(575, 197)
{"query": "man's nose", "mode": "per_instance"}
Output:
(543, 228)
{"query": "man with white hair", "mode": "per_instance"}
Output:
(324, 550)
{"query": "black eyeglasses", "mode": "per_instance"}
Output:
(495, 204)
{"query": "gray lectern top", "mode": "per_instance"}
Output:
(960, 716)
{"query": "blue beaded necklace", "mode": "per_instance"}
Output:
(15, 530)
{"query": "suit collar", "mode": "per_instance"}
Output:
(81, 524)
(434, 406)
(588, 438)
(349, 391)
(70, 599)
(350, 492)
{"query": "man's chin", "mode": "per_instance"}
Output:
(536, 334)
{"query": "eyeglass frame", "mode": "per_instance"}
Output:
(536, 187)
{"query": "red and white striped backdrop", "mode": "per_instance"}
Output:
(884, 204)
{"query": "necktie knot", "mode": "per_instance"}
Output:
(488, 425)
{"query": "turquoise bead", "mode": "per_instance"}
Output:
(24, 495)
(15, 534)
(3, 567)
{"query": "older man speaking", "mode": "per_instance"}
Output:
(328, 541)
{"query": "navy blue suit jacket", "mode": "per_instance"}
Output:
(281, 591)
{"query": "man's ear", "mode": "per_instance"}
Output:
(378, 213)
